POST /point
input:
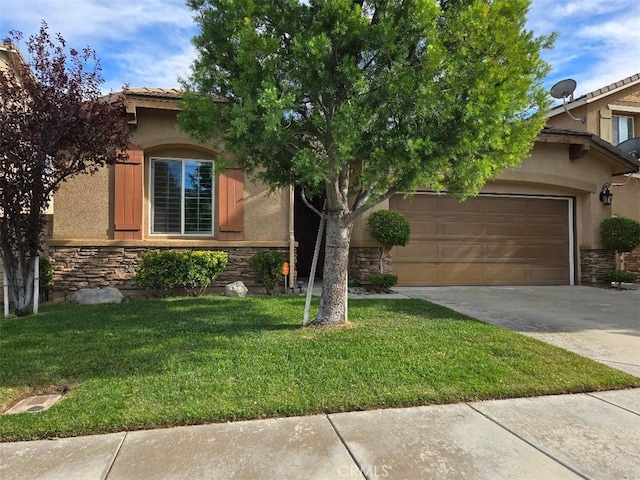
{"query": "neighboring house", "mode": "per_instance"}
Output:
(613, 113)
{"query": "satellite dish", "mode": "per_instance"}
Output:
(631, 146)
(564, 89)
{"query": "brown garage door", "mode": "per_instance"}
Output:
(486, 240)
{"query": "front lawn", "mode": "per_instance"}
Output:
(180, 361)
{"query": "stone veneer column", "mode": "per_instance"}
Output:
(363, 261)
(593, 263)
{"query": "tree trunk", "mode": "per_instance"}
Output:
(20, 274)
(333, 302)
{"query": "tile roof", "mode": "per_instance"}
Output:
(614, 86)
(155, 92)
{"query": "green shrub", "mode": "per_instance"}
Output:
(46, 274)
(389, 229)
(620, 277)
(382, 282)
(160, 271)
(268, 268)
(620, 234)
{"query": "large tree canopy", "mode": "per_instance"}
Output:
(364, 99)
(55, 124)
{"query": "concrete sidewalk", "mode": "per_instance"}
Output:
(588, 436)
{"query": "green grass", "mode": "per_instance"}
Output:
(146, 363)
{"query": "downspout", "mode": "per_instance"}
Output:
(292, 239)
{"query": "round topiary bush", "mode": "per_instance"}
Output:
(389, 229)
(619, 234)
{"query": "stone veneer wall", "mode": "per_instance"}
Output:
(632, 261)
(93, 267)
(364, 261)
(593, 262)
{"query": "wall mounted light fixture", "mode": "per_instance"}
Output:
(605, 195)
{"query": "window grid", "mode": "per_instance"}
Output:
(182, 196)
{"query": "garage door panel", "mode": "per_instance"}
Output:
(419, 252)
(544, 207)
(471, 228)
(458, 274)
(505, 274)
(505, 230)
(547, 230)
(450, 205)
(416, 277)
(497, 207)
(505, 251)
(484, 241)
(457, 251)
(549, 274)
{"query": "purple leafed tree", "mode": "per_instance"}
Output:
(55, 123)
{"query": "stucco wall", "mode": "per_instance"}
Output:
(85, 203)
(83, 208)
(626, 199)
(266, 215)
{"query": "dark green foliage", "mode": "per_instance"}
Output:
(620, 277)
(160, 271)
(268, 268)
(362, 100)
(382, 282)
(389, 228)
(46, 274)
(620, 234)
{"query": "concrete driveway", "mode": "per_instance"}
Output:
(598, 323)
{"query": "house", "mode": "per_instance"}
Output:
(534, 224)
(613, 113)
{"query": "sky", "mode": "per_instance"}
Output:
(147, 43)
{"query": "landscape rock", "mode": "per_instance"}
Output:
(236, 289)
(93, 296)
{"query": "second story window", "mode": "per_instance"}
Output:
(622, 129)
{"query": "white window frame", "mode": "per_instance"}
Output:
(618, 121)
(183, 162)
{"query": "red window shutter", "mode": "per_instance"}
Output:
(231, 205)
(128, 196)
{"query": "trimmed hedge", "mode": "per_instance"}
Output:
(382, 282)
(268, 268)
(162, 270)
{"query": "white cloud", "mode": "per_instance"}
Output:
(82, 20)
(598, 40)
(148, 42)
(582, 8)
(141, 43)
